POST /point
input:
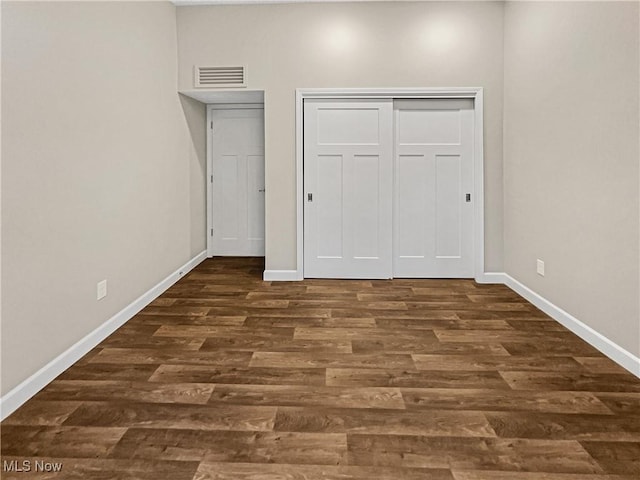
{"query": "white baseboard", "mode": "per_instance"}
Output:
(32, 385)
(281, 276)
(491, 277)
(611, 349)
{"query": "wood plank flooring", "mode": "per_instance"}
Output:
(227, 377)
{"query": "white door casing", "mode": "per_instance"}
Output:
(237, 181)
(459, 250)
(433, 190)
(475, 93)
(348, 189)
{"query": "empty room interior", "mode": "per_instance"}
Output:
(320, 240)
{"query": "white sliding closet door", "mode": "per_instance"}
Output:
(348, 188)
(433, 212)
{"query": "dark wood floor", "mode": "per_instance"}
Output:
(227, 377)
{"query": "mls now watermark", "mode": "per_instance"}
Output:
(30, 466)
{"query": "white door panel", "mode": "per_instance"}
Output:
(348, 126)
(238, 182)
(415, 186)
(227, 174)
(348, 186)
(366, 206)
(329, 226)
(448, 206)
(385, 186)
(433, 225)
(431, 127)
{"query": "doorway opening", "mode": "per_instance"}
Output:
(235, 179)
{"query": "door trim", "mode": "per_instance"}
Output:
(209, 178)
(476, 93)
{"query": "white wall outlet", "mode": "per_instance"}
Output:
(102, 289)
(540, 267)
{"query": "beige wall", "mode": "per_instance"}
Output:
(195, 114)
(103, 165)
(97, 167)
(395, 44)
(571, 159)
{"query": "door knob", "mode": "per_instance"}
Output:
(261, 190)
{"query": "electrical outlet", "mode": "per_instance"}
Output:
(540, 267)
(102, 289)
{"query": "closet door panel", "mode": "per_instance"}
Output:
(433, 164)
(348, 189)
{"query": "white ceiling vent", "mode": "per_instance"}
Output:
(218, 77)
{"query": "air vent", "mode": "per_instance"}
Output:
(217, 77)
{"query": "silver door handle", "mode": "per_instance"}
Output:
(261, 190)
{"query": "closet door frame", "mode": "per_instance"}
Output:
(475, 93)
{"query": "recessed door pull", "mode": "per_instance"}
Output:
(309, 197)
(468, 197)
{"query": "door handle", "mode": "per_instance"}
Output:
(467, 197)
(309, 197)
(261, 190)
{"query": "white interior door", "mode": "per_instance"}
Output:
(433, 191)
(348, 188)
(237, 150)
